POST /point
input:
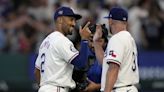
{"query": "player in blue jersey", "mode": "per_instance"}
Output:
(95, 69)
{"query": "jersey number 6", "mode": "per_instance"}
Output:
(42, 62)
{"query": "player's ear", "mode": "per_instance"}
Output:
(60, 20)
(110, 21)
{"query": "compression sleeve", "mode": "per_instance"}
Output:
(80, 60)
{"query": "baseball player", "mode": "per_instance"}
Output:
(95, 69)
(58, 56)
(120, 68)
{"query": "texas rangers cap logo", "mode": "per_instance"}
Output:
(111, 53)
(60, 12)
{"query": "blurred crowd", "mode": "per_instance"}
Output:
(25, 23)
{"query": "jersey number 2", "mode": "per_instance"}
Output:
(42, 62)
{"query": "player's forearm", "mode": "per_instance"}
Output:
(99, 52)
(93, 87)
(97, 87)
(82, 58)
(111, 78)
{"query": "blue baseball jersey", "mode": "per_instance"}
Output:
(94, 72)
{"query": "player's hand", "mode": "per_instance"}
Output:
(98, 34)
(85, 33)
(92, 87)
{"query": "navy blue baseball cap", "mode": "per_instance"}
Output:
(66, 11)
(118, 13)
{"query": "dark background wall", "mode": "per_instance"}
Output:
(16, 72)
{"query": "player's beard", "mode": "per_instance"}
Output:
(71, 29)
(67, 29)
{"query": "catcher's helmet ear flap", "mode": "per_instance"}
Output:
(105, 32)
(92, 28)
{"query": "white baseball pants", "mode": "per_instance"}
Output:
(126, 89)
(51, 88)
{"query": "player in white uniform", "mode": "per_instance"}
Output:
(120, 67)
(58, 56)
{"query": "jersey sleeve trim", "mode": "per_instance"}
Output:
(37, 67)
(113, 61)
(69, 61)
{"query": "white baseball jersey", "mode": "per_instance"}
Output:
(55, 55)
(121, 50)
